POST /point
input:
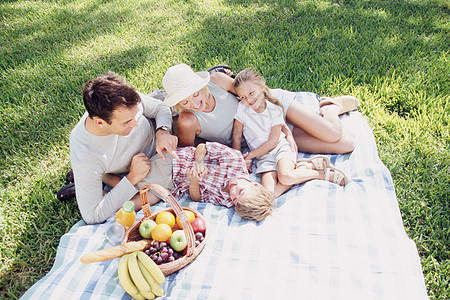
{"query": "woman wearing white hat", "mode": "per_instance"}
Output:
(207, 105)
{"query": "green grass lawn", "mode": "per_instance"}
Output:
(393, 55)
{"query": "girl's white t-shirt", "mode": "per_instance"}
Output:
(257, 126)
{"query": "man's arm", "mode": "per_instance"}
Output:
(94, 205)
(155, 109)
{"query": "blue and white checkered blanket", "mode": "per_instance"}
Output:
(323, 242)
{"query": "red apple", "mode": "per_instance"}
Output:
(198, 225)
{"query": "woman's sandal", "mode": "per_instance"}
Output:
(221, 68)
(317, 161)
(346, 103)
(338, 176)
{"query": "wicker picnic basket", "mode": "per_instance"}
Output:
(191, 251)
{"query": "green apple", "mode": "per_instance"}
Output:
(178, 240)
(146, 227)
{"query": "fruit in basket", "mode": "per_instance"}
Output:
(146, 227)
(161, 232)
(190, 215)
(199, 237)
(198, 225)
(178, 240)
(161, 252)
(140, 276)
(165, 217)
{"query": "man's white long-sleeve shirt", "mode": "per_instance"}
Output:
(91, 156)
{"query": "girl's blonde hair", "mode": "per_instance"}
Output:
(178, 108)
(254, 77)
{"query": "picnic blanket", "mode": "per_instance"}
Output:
(322, 242)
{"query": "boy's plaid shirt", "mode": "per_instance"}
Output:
(223, 164)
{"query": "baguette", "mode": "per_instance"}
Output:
(114, 252)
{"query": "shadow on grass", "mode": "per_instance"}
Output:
(39, 90)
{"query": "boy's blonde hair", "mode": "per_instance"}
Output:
(257, 205)
(254, 77)
(178, 108)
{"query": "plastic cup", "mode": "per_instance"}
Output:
(115, 234)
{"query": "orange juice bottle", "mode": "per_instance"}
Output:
(126, 215)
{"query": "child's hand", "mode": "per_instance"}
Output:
(292, 143)
(202, 170)
(194, 175)
(248, 162)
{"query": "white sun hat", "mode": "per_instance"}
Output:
(180, 82)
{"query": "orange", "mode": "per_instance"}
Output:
(189, 214)
(165, 217)
(161, 232)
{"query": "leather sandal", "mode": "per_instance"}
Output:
(346, 103)
(221, 68)
(66, 192)
(317, 161)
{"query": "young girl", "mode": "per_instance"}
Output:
(260, 118)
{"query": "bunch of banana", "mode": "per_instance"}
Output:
(140, 276)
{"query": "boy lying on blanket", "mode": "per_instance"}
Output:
(217, 174)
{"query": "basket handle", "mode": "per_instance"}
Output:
(179, 212)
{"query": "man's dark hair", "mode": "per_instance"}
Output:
(104, 94)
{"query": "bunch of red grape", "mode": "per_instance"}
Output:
(199, 237)
(161, 252)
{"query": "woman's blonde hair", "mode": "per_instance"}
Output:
(257, 204)
(254, 77)
(178, 108)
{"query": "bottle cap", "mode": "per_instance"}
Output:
(128, 206)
